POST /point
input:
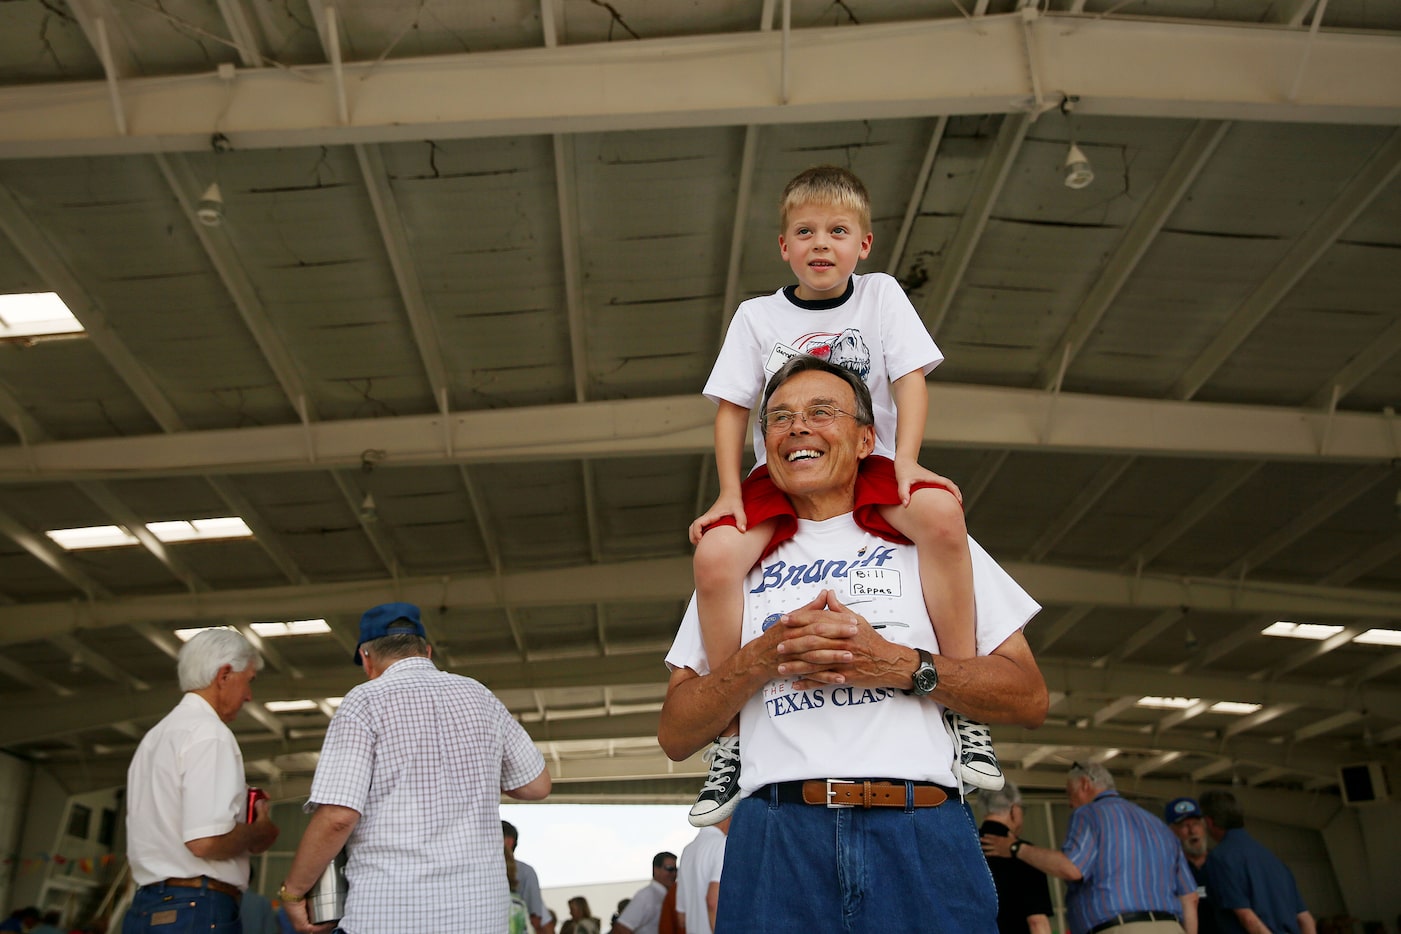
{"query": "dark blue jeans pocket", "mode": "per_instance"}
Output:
(203, 913)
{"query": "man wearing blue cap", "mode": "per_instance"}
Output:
(1185, 818)
(410, 780)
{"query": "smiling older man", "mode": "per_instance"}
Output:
(845, 824)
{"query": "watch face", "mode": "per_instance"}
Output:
(926, 679)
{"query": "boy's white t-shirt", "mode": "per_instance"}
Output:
(873, 330)
(829, 731)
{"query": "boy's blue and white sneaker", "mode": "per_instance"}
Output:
(972, 746)
(720, 793)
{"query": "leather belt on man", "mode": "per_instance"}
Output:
(201, 882)
(1134, 917)
(862, 793)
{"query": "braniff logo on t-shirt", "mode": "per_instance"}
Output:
(866, 573)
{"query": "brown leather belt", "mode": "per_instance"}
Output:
(200, 882)
(864, 793)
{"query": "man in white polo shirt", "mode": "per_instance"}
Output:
(188, 834)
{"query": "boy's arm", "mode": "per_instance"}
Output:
(731, 426)
(911, 394)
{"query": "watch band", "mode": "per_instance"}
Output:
(1016, 847)
(285, 896)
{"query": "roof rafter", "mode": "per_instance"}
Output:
(1370, 181)
(1119, 67)
(960, 415)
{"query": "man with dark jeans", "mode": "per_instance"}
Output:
(189, 833)
(845, 823)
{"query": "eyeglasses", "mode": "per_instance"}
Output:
(668, 869)
(814, 416)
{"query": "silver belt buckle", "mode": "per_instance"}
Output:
(837, 781)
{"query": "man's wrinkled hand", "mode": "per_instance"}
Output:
(296, 913)
(825, 642)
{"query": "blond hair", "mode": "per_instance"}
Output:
(828, 185)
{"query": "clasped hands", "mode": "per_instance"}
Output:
(825, 642)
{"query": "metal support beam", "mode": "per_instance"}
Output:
(960, 415)
(1118, 66)
(186, 188)
(54, 271)
(1370, 181)
(401, 261)
(1191, 158)
(992, 175)
(663, 579)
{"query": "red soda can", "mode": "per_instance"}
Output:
(254, 796)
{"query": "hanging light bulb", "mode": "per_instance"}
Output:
(211, 207)
(1078, 173)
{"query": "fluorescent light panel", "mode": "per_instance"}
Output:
(181, 530)
(185, 635)
(298, 627)
(289, 706)
(36, 314)
(1380, 637)
(1315, 631)
(1234, 707)
(1166, 703)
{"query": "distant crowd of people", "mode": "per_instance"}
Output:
(1124, 868)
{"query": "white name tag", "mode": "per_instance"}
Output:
(780, 355)
(873, 582)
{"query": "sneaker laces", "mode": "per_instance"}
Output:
(728, 755)
(975, 735)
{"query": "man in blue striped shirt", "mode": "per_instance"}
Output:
(1125, 869)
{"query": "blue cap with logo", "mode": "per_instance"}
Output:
(1180, 809)
(388, 619)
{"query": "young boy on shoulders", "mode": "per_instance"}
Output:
(867, 324)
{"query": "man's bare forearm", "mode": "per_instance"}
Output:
(1004, 687)
(697, 708)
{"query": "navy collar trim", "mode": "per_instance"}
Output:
(790, 292)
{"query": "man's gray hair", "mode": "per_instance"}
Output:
(395, 646)
(864, 414)
(201, 658)
(1096, 772)
(1002, 801)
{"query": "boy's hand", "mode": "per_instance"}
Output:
(908, 473)
(726, 504)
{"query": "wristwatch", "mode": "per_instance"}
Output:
(926, 676)
(1016, 847)
(285, 896)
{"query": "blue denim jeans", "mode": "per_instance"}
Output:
(801, 867)
(162, 909)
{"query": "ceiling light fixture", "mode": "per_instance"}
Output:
(211, 207)
(1078, 173)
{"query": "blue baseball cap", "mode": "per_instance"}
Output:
(377, 622)
(1180, 809)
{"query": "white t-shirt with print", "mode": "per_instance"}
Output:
(873, 330)
(787, 734)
